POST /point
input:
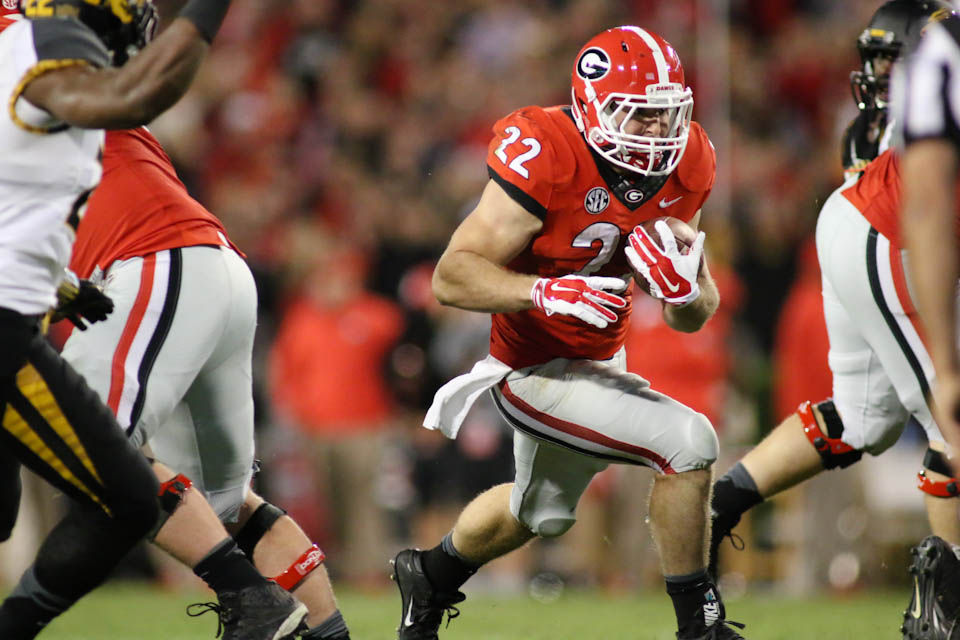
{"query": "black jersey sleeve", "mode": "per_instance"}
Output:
(60, 39)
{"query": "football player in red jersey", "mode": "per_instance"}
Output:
(548, 251)
(882, 370)
(173, 362)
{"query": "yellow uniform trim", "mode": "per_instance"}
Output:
(36, 391)
(37, 70)
(19, 429)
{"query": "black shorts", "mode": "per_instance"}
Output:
(54, 424)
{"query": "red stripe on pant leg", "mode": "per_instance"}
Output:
(117, 369)
(584, 433)
(903, 293)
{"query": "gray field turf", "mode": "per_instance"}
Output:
(135, 612)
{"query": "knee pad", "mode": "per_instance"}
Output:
(935, 461)
(832, 449)
(257, 526)
(551, 527)
(703, 441)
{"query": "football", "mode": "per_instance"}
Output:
(683, 232)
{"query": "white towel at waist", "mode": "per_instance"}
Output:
(453, 400)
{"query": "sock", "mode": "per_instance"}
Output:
(695, 601)
(446, 569)
(29, 609)
(733, 494)
(333, 628)
(225, 568)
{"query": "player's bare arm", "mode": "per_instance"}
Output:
(127, 97)
(130, 96)
(471, 273)
(929, 171)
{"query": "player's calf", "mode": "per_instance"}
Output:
(737, 491)
(263, 519)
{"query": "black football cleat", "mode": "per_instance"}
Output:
(935, 604)
(262, 612)
(422, 607)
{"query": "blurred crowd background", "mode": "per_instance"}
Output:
(341, 142)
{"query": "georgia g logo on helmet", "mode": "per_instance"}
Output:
(593, 64)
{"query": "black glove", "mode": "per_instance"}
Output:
(79, 300)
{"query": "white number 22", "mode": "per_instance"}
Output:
(517, 163)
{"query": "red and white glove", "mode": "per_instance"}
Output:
(672, 275)
(583, 297)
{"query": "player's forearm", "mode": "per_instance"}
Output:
(690, 318)
(135, 94)
(469, 281)
(929, 226)
(157, 77)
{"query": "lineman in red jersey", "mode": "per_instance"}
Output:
(882, 371)
(544, 252)
(174, 364)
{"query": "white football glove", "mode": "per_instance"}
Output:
(672, 276)
(583, 297)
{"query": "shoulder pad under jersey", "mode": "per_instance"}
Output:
(530, 154)
(698, 167)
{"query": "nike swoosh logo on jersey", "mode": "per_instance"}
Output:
(916, 612)
(408, 619)
(664, 203)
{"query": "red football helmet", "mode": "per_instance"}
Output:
(626, 73)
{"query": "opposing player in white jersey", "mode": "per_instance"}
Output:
(63, 83)
(928, 104)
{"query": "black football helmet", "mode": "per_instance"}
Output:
(894, 31)
(124, 26)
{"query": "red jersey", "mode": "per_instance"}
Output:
(540, 158)
(877, 195)
(140, 207)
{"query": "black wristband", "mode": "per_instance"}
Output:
(207, 15)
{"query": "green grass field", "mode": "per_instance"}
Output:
(133, 612)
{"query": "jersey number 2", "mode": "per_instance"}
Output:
(533, 150)
(608, 234)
